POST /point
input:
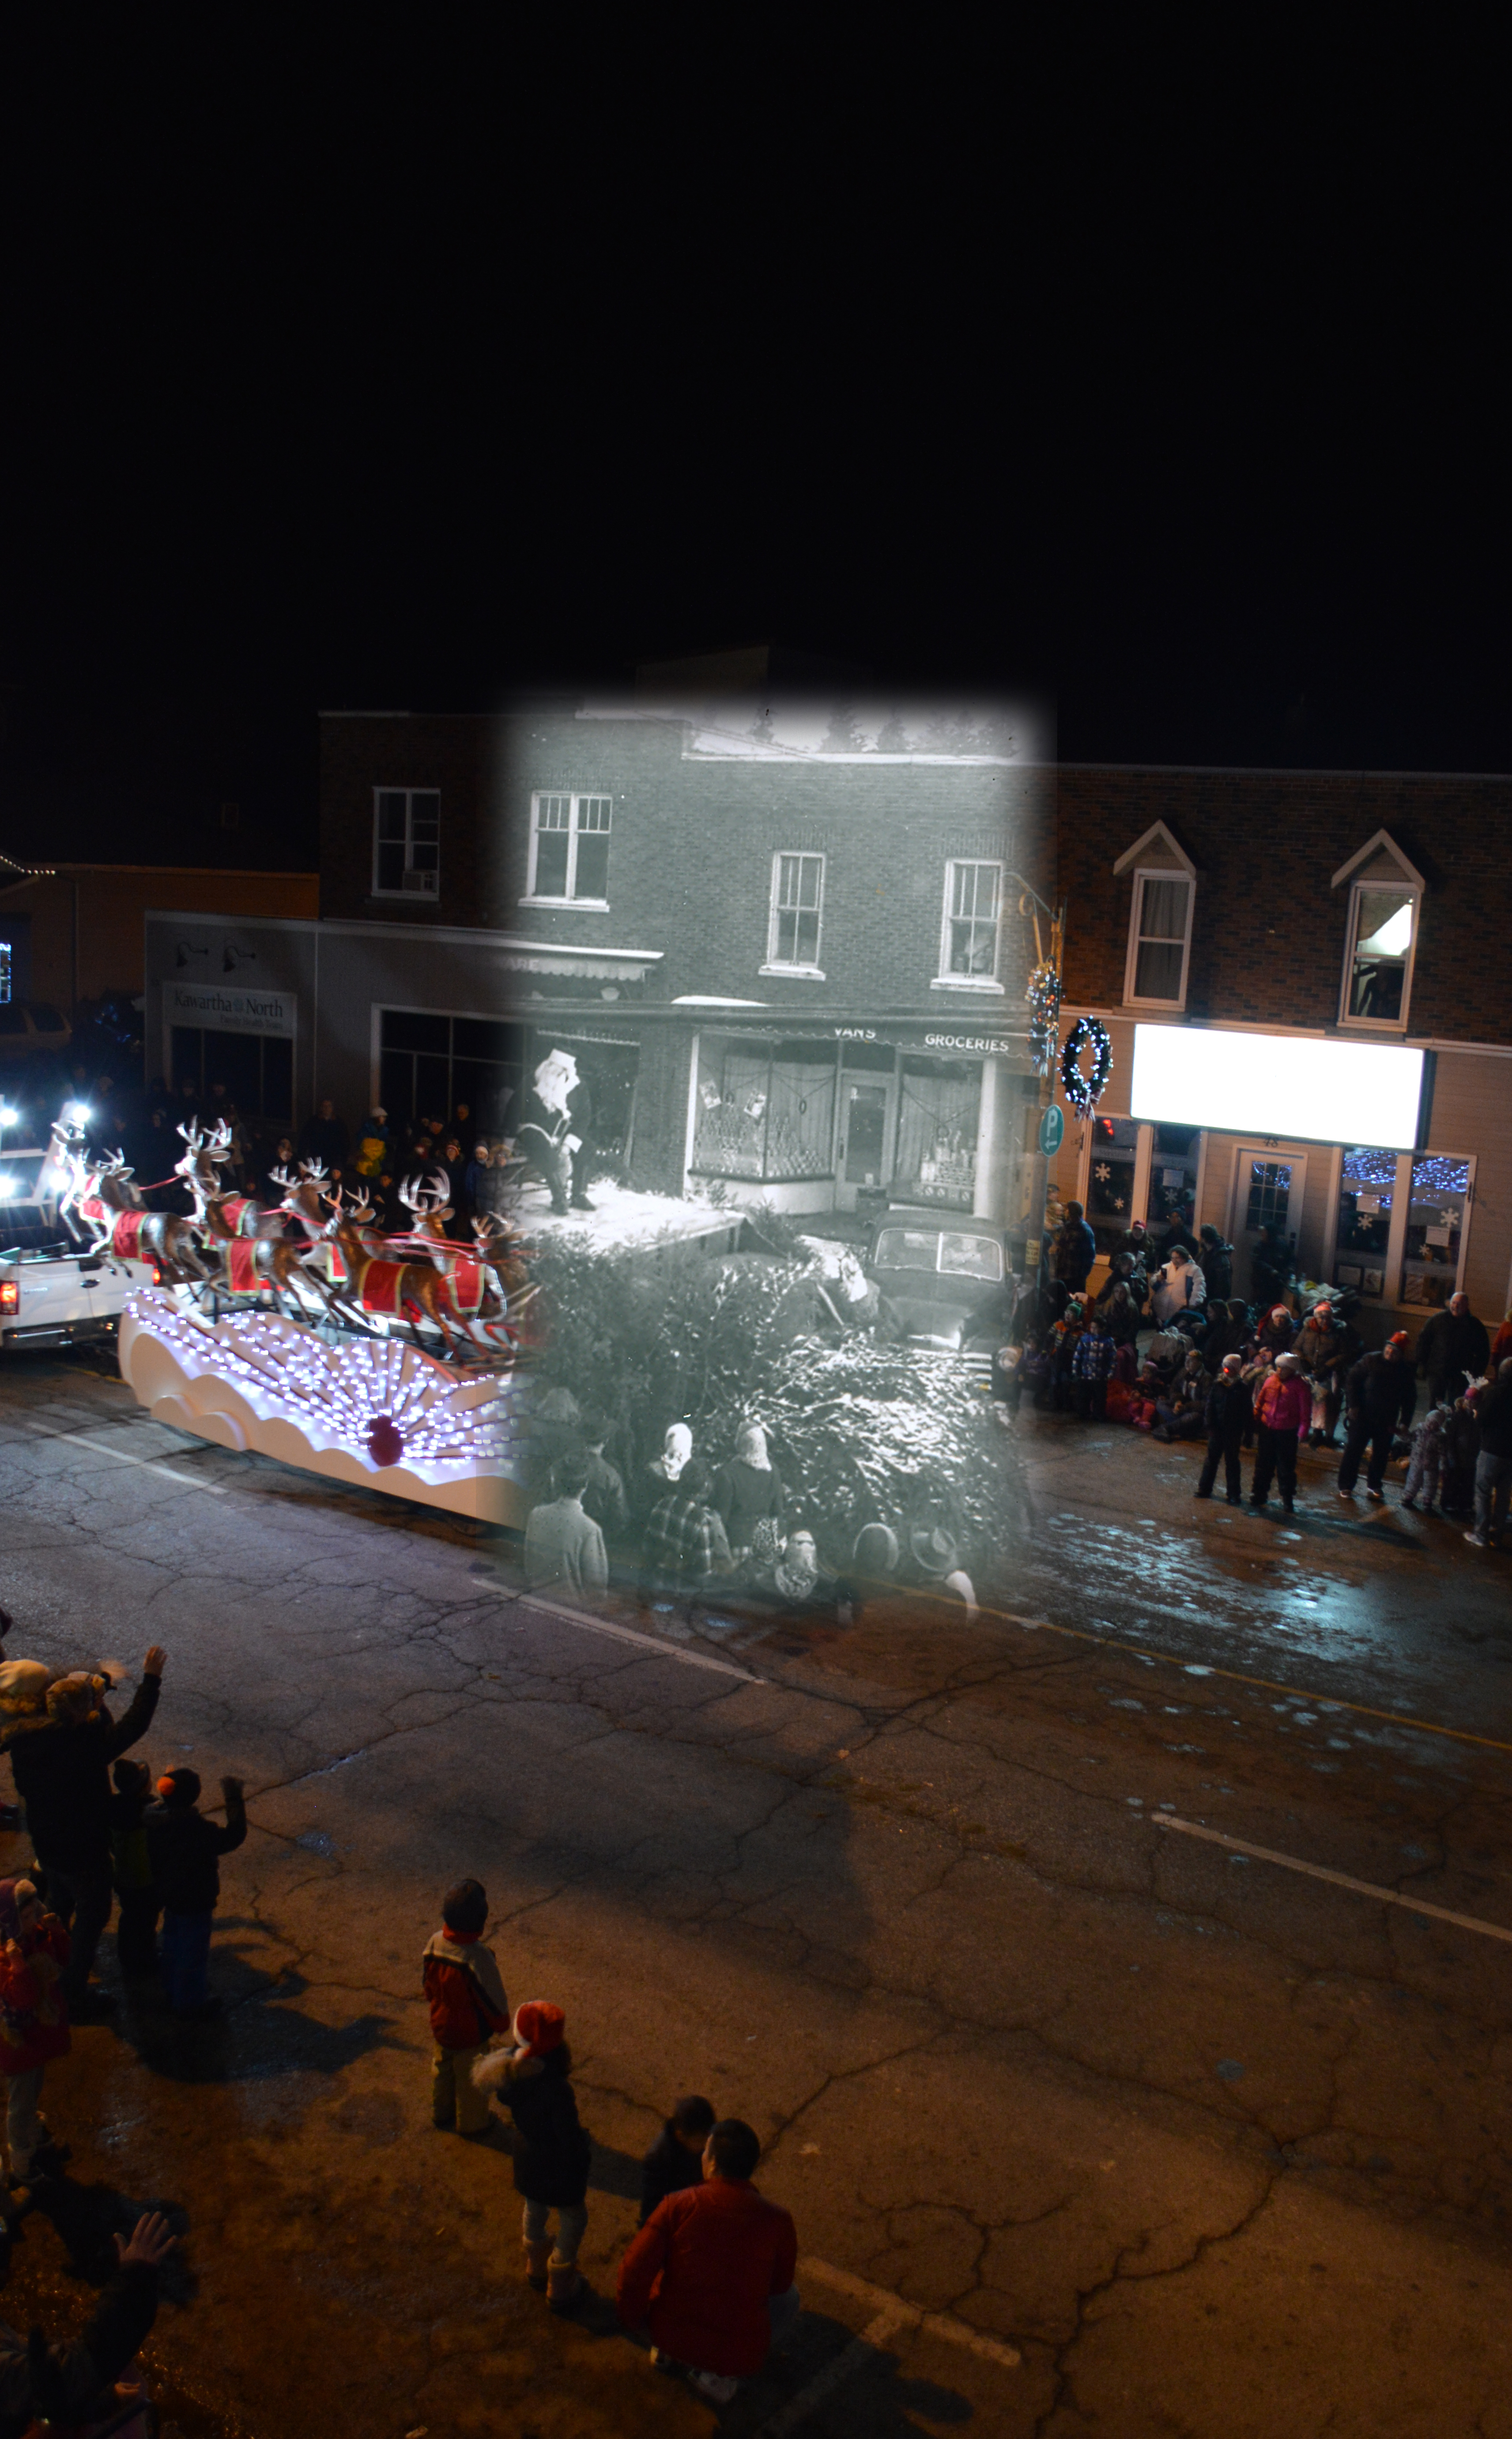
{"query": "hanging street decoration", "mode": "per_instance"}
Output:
(1043, 996)
(1085, 1092)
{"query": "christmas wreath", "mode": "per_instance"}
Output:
(1043, 996)
(1085, 1092)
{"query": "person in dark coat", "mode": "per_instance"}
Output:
(1461, 1449)
(1271, 1268)
(1380, 1395)
(1493, 1466)
(1117, 1311)
(138, 1904)
(1454, 1343)
(1218, 1265)
(185, 1850)
(1327, 1348)
(746, 1490)
(43, 2387)
(1227, 1413)
(675, 2159)
(552, 2151)
(324, 1137)
(1229, 1333)
(1075, 1249)
(62, 1777)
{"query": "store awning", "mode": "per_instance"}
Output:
(595, 964)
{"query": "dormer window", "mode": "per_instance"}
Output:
(1380, 941)
(1160, 920)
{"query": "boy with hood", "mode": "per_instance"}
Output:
(1228, 1411)
(468, 2007)
(184, 1851)
(675, 2159)
(33, 2018)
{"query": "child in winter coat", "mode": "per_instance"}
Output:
(675, 2159)
(33, 2018)
(130, 1868)
(552, 2151)
(1428, 1459)
(468, 2007)
(183, 1850)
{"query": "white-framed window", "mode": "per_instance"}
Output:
(971, 927)
(1159, 940)
(1383, 941)
(796, 920)
(406, 842)
(569, 849)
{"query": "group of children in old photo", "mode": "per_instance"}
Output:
(710, 2271)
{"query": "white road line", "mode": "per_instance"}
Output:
(627, 1634)
(1339, 1880)
(911, 2316)
(82, 1439)
(842, 2367)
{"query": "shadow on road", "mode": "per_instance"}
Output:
(260, 2035)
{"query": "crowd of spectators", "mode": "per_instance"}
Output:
(1166, 1347)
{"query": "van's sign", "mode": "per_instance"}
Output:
(230, 1011)
(984, 1046)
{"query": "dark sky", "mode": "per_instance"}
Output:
(363, 364)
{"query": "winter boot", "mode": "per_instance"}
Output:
(537, 2259)
(564, 2284)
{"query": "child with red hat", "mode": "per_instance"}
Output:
(552, 2150)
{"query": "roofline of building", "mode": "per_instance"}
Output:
(1105, 1011)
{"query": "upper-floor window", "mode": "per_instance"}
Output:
(1158, 939)
(1160, 920)
(569, 849)
(796, 915)
(1380, 939)
(970, 934)
(406, 842)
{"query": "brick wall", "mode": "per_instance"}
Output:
(1268, 931)
(690, 860)
(450, 752)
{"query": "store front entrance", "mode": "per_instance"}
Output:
(1268, 1191)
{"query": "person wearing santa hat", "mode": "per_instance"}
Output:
(551, 2148)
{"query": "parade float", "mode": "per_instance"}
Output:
(302, 1331)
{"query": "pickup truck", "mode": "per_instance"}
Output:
(52, 1292)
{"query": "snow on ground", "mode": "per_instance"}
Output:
(620, 1218)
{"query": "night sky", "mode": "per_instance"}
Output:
(390, 372)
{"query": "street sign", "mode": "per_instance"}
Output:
(1052, 1130)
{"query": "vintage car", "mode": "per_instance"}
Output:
(942, 1280)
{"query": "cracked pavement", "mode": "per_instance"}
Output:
(1218, 2147)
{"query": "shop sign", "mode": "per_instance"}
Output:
(230, 1011)
(981, 1045)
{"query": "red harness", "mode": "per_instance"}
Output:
(379, 1288)
(241, 1265)
(126, 1235)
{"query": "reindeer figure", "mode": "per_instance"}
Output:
(275, 1259)
(219, 1215)
(112, 1207)
(377, 1285)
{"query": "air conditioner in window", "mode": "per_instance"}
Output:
(425, 883)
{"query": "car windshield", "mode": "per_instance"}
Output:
(19, 1171)
(950, 1252)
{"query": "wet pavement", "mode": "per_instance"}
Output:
(1210, 2144)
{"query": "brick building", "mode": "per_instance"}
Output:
(1303, 906)
(794, 974)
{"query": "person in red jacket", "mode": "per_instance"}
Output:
(1282, 1416)
(711, 2272)
(33, 2018)
(468, 2006)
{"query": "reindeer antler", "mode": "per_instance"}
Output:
(192, 1135)
(316, 1170)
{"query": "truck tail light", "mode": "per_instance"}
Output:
(157, 1276)
(10, 1295)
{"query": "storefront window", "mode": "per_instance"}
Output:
(1111, 1180)
(1173, 1176)
(764, 1110)
(1366, 1189)
(1435, 1228)
(939, 1105)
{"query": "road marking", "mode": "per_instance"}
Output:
(850, 2361)
(627, 1634)
(82, 1439)
(1232, 1677)
(1339, 1879)
(911, 2316)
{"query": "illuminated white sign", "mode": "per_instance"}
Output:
(1277, 1084)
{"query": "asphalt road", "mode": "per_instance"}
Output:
(1212, 2145)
